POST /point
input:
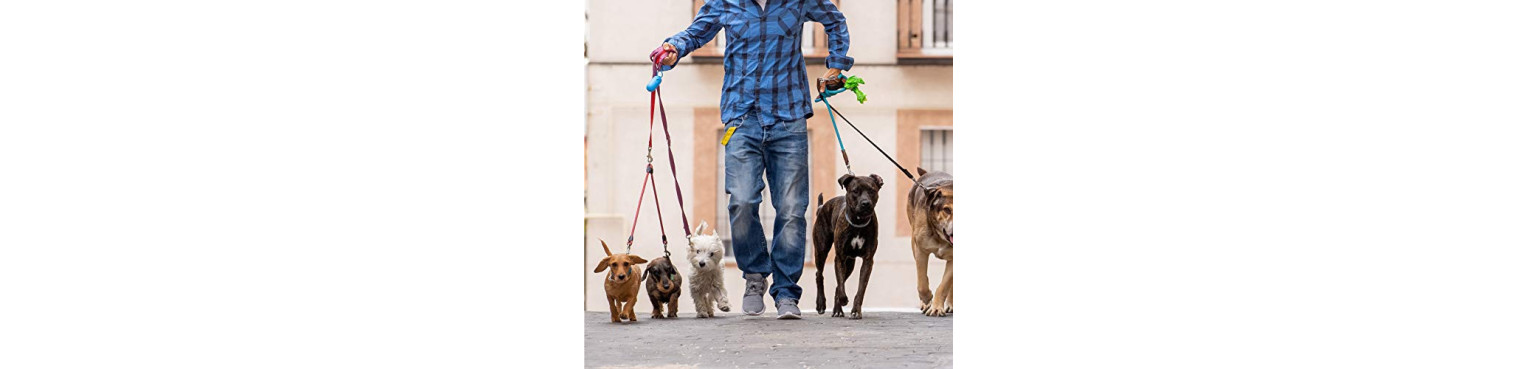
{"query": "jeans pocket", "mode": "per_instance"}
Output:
(795, 126)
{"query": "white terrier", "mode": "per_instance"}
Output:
(705, 283)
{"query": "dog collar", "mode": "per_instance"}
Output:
(851, 221)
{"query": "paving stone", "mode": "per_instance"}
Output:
(880, 340)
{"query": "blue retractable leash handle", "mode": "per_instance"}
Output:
(851, 83)
(830, 93)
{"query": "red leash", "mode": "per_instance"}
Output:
(656, 107)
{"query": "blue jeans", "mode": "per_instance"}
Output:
(778, 149)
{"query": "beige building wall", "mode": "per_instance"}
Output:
(620, 35)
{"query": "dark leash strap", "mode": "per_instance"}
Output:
(672, 163)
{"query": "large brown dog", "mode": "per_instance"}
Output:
(849, 223)
(929, 212)
(622, 284)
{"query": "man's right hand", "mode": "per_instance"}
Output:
(671, 56)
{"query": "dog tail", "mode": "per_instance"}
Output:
(605, 247)
(819, 199)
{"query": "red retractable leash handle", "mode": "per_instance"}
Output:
(657, 56)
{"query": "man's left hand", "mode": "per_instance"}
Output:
(831, 81)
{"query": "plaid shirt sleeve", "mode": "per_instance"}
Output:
(823, 11)
(704, 28)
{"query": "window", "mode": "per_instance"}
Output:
(935, 149)
(766, 213)
(924, 30)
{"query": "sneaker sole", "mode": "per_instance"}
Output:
(790, 316)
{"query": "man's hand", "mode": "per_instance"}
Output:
(671, 56)
(830, 80)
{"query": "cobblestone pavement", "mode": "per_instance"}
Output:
(880, 340)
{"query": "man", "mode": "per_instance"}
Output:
(765, 104)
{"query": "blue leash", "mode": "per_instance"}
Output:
(835, 127)
(822, 96)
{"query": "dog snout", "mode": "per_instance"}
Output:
(702, 264)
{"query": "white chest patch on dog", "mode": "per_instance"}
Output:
(858, 242)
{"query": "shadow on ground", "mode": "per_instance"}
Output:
(881, 340)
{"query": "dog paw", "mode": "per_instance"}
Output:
(838, 313)
(726, 308)
(934, 310)
(855, 315)
(948, 310)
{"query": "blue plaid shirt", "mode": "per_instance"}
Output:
(764, 66)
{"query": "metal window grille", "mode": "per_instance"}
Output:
(935, 146)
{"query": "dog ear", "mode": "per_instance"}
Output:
(876, 178)
(922, 171)
(637, 260)
(843, 181)
(602, 264)
(700, 229)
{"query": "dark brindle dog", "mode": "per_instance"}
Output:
(849, 223)
(662, 286)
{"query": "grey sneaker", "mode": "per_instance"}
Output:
(753, 300)
(788, 308)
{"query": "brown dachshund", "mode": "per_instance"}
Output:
(622, 284)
